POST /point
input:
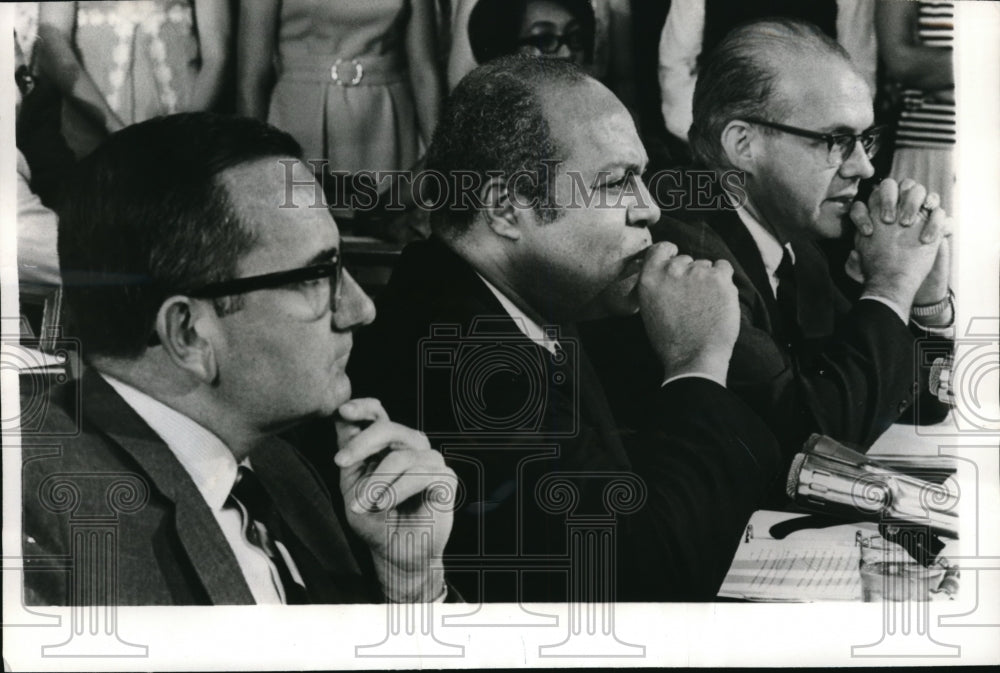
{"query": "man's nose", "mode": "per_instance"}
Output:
(857, 165)
(355, 307)
(643, 211)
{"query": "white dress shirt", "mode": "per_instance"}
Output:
(531, 329)
(546, 340)
(212, 467)
(771, 252)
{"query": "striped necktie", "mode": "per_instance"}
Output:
(263, 528)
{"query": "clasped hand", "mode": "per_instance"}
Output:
(902, 246)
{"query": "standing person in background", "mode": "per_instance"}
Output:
(486, 29)
(355, 82)
(915, 43)
(540, 28)
(460, 59)
(37, 261)
(118, 63)
(693, 27)
(614, 58)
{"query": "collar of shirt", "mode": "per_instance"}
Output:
(771, 254)
(771, 250)
(202, 454)
(528, 327)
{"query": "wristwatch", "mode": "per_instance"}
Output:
(931, 310)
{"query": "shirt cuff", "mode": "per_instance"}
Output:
(696, 375)
(896, 308)
(941, 331)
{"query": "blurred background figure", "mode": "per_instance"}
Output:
(43, 156)
(915, 43)
(37, 261)
(118, 63)
(595, 34)
(487, 29)
(25, 26)
(694, 27)
(356, 82)
(615, 49)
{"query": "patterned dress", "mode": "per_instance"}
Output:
(925, 131)
(143, 56)
(342, 88)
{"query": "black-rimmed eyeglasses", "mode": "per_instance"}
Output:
(550, 43)
(840, 146)
(320, 284)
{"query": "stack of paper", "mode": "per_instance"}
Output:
(774, 570)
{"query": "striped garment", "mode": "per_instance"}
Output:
(924, 122)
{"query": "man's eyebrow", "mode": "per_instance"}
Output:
(843, 129)
(628, 166)
(323, 256)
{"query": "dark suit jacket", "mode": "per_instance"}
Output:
(510, 418)
(169, 548)
(855, 371)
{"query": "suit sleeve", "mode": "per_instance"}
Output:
(932, 351)
(707, 462)
(852, 384)
(852, 388)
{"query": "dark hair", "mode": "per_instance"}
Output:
(494, 26)
(493, 125)
(738, 78)
(147, 216)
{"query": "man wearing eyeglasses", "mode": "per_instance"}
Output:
(204, 275)
(781, 103)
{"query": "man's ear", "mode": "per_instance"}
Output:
(738, 142)
(185, 327)
(501, 216)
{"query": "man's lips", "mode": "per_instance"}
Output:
(632, 264)
(843, 199)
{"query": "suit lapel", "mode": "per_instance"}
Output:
(730, 228)
(818, 298)
(196, 527)
(306, 509)
(479, 301)
(816, 295)
(595, 404)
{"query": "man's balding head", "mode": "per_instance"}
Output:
(739, 79)
(494, 123)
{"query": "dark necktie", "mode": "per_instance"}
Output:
(787, 299)
(263, 528)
